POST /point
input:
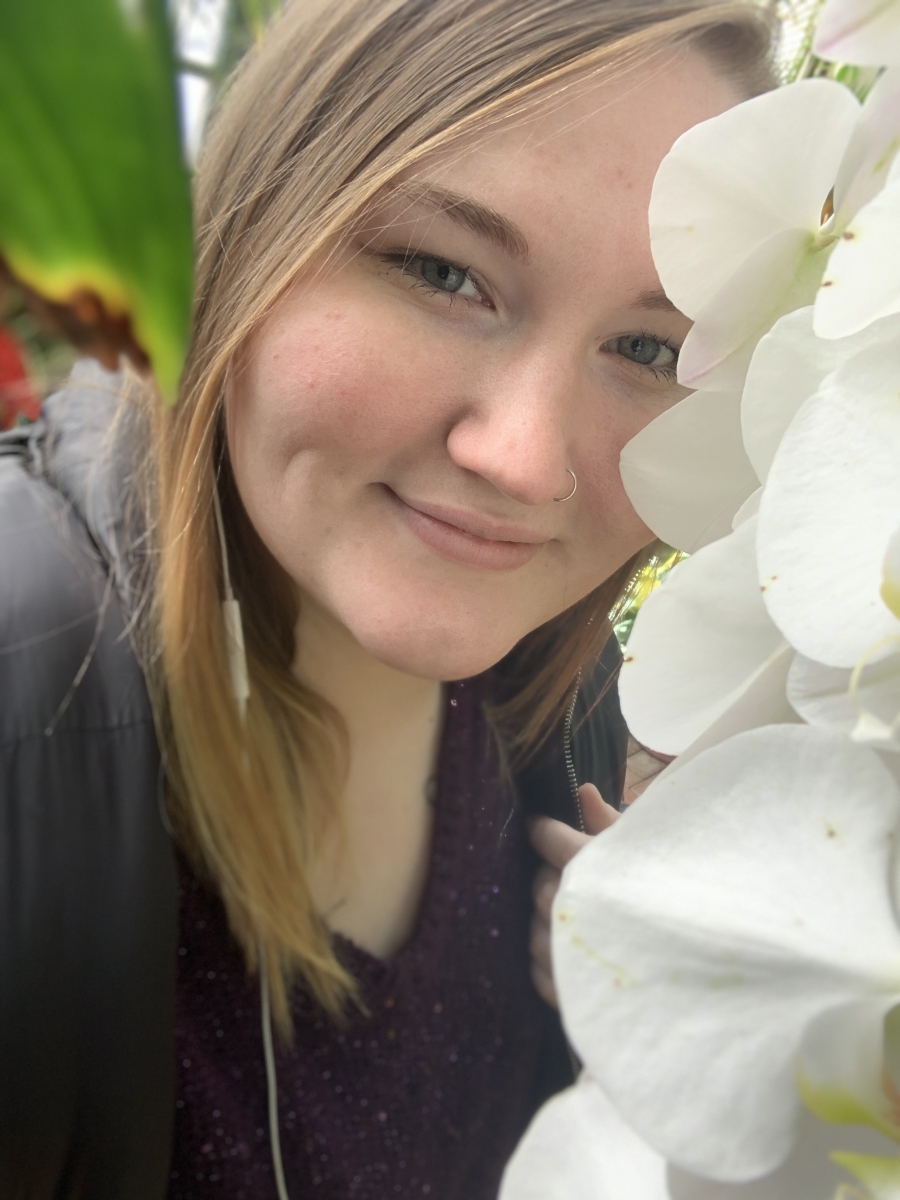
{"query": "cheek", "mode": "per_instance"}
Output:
(318, 385)
(609, 517)
(332, 384)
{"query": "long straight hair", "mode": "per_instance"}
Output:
(338, 99)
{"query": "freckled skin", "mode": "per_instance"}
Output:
(363, 381)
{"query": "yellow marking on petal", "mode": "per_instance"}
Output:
(621, 977)
(838, 1106)
(881, 1176)
(827, 208)
(870, 727)
(732, 979)
(890, 594)
(887, 157)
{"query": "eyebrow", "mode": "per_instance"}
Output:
(486, 222)
(477, 218)
(655, 300)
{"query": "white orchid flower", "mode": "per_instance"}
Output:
(687, 472)
(862, 279)
(863, 704)
(705, 661)
(578, 1147)
(828, 511)
(789, 366)
(866, 32)
(690, 470)
(699, 645)
(746, 207)
(732, 945)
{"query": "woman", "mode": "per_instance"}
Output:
(427, 321)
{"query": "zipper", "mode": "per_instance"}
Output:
(568, 756)
(574, 1061)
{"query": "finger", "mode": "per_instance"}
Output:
(544, 889)
(539, 943)
(641, 768)
(543, 983)
(555, 841)
(541, 966)
(598, 815)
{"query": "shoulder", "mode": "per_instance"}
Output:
(67, 659)
(88, 908)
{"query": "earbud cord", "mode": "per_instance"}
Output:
(240, 684)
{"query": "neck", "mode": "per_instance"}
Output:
(370, 696)
(368, 880)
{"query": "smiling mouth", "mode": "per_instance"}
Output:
(451, 535)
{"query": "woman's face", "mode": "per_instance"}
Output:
(403, 424)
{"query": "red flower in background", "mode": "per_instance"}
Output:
(17, 392)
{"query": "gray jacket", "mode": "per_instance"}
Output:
(88, 904)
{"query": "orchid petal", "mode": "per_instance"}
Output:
(874, 144)
(742, 897)
(788, 367)
(829, 508)
(579, 1148)
(862, 280)
(881, 1176)
(782, 275)
(841, 1072)
(729, 184)
(866, 709)
(890, 586)
(698, 643)
(750, 508)
(812, 1172)
(685, 491)
(866, 32)
(763, 702)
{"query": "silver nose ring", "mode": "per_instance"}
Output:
(563, 499)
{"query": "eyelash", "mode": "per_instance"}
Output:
(403, 261)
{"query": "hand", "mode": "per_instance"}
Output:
(557, 843)
(641, 767)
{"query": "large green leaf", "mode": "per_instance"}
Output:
(94, 193)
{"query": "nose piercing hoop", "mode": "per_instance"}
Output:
(563, 499)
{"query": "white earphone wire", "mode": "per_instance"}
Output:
(240, 683)
(271, 1080)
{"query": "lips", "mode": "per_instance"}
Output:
(467, 538)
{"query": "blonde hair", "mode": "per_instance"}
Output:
(337, 100)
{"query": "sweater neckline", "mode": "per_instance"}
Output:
(461, 714)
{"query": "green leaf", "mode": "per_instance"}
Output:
(256, 14)
(94, 193)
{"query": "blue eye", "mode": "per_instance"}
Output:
(437, 276)
(646, 351)
(442, 275)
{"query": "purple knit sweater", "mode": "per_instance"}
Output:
(428, 1094)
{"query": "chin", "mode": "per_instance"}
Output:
(438, 649)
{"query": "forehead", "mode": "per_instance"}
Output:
(587, 151)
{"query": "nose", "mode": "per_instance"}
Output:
(515, 431)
